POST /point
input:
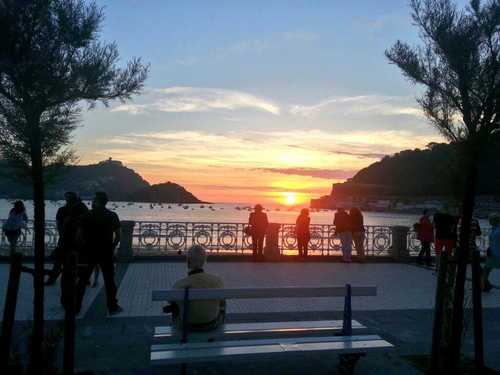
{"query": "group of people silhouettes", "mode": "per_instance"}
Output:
(442, 229)
(349, 227)
(92, 233)
(95, 233)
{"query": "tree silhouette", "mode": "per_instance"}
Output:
(458, 63)
(51, 63)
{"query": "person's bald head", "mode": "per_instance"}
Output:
(196, 257)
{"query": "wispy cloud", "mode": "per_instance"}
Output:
(329, 174)
(133, 109)
(304, 152)
(358, 105)
(198, 99)
(314, 109)
(367, 155)
(257, 162)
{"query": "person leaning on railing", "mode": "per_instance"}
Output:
(342, 224)
(358, 232)
(425, 234)
(202, 315)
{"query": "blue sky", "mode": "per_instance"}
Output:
(295, 93)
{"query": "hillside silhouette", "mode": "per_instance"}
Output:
(432, 171)
(120, 183)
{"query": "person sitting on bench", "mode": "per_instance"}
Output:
(202, 315)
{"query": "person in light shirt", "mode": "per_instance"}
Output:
(493, 256)
(202, 315)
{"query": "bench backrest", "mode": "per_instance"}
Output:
(251, 293)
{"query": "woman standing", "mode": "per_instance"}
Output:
(425, 235)
(16, 221)
(302, 231)
(358, 232)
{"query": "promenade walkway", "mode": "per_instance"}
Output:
(402, 312)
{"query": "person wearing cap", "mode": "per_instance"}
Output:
(67, 220)
(303, 232)
(201, 315)
(100, 234)
(258, 226)
(493, 255)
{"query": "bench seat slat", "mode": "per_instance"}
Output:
(254, 293)
(263, 351)
(261, 327)
(273, 341)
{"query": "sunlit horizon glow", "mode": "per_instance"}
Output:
(252, 107)
(290, 198)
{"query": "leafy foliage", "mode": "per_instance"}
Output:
(51, 63)
(458, 63)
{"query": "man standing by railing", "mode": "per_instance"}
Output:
(258, 226)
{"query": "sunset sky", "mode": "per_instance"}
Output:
(251, 101)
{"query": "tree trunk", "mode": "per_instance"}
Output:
(437, 329)
(39, 249)
(471, 170)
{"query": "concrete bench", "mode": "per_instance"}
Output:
(228, 342)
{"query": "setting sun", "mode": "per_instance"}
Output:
(290, 198)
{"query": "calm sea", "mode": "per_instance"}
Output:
(222, 213)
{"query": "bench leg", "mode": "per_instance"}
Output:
(347, 362)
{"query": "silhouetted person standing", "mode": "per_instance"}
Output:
(302, 231)
(343, 230)
(258, 225)
(358, 232)
(67, 220)
(425, 235)
(100, 232)
(446, 233)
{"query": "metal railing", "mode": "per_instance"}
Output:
(163, 238)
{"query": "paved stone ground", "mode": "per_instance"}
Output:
(401, 313)
(400, 286)
(53, 309)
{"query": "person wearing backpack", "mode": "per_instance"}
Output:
(16, 221)
(425, 234)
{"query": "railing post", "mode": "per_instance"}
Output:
(400, 242)
(125, 251)
(272, 250)
(347, 318)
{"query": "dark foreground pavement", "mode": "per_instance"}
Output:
(121, 345)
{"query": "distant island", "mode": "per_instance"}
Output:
(413, 179)
(119, 182)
